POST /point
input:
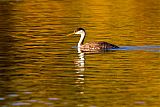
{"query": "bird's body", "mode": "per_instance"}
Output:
(92, 46)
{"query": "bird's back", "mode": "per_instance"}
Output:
(97, 46)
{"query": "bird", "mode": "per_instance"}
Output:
(91, 46)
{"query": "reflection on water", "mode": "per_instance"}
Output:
(144, 48)
(39, 67)
(80, 63)
(80, 77)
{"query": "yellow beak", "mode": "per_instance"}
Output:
(70, 34)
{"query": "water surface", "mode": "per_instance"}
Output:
(40, 68)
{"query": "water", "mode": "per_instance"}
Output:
(40, 68)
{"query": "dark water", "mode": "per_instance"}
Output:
(39, 67)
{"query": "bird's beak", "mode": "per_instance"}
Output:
(70, 34)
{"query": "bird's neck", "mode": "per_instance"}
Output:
(81, 39)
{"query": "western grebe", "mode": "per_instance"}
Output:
(91, 46)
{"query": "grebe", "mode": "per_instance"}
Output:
(91, 46)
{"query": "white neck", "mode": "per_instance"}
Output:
(81, 38)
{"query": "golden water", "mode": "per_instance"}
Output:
(39, 67)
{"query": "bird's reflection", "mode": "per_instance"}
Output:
(80, 63)
(80, 68)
